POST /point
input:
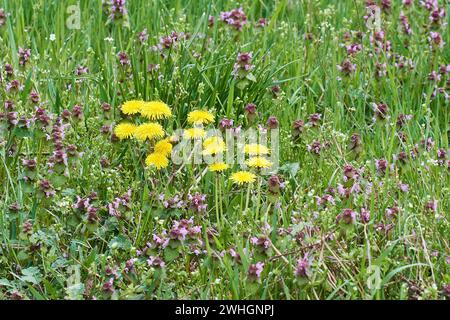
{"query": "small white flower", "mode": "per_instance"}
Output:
(52, 37)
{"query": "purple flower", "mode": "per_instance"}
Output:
(254, 270)
(34, 97)
(263, 242)
(365, 215)
(123, 59)
(405, 23)
(314, 119)
(272, 122)
(77, 112)
(436, 40)
(24, 56)
(303, 267)
(380, 111)
(225, 124)
(403, 187)
(250, 112)
(117, 9)
(353, 49)
(243, 65)
(262, 22)
(80, 70)
(235, 18)
(381, 166)
(2, 17)
(143, 36)
(197, 202)
(46, 188)
(155, 262)
(431, 206)
(347, 67)
(347, 216)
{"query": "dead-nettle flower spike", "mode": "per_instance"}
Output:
(347, 216)
(303, 268)
(255, 270)
(235, 18)
(123, 59)
(24, 56)
(272, 122)
(250, 112)
(143, 36)
(9, 70)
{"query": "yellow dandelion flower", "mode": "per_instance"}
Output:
(218, 167)
(200, 116)
(163, 147)
(157, 160)
(156, 110)
(256, 149)
(124, 130)
(242, 177)
(213, 145)
(259, 162)
(194, 133)
(149, 130)
(132, 106)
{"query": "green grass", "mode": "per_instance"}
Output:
(66, 256)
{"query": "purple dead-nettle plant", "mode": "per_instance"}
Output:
(80, 70)
(431, 206)
(156, 262)
(118, 9)
(347, 217)
(353, 49)
(436, 41)
(9, 70)
(142, 36)
(123, 59)
(24, 56)
(120, 205)
(272, 123)
(347, 67)
(14, 86)
(2, 17)
(303, 268)
(437, 15)
(77, 113)
(250, 112)
(262, 243)
(314, 119)
(197, 202)
(255, 270)
(380, 111)
(365, 215)
(242, 69)
(235, 18)
(381, 166)
(405, 23)
(46, 189)
(175, 202)
(34, 97)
